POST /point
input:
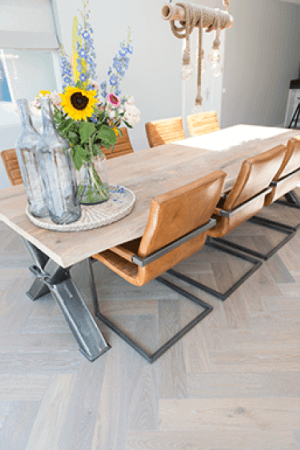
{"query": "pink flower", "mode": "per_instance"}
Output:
(113, 99)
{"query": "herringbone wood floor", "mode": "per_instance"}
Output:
(232, 383)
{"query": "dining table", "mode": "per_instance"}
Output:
(147, 173)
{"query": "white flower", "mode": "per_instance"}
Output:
(132, 114)
(95, 85)
(34, 107)
(129, 99)
(112, 114)
(56, 100)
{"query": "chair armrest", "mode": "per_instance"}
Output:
(232, 212)
(142, 262)
(218, 212)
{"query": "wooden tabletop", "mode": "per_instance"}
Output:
(147, 173)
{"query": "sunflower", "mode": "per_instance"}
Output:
(78, 103)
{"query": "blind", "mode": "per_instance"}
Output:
(27, 24)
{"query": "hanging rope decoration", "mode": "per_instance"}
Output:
(189, 17)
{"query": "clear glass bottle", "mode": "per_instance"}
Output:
(57, 170)
(26, 148)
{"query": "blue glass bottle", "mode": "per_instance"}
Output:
(26, 148)
(57, 170)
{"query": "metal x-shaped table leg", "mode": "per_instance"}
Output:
(50, 277)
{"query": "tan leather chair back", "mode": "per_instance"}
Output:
(255, 175)
(176, 213)
(166, 131)
(290, 164)
(122, 147)
(172, 215)
(11, 164)
(291, 160)
(203, 123)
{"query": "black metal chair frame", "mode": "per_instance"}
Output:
(232, 249)
(142, 262)
(292, 200)
(286, 229)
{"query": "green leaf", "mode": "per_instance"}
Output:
(79, 154)
(107, 134)
(127, 124)
(86, 130)
(106, 145)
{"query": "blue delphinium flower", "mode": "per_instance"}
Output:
(130, 49)
(82, 53)
(117, 71)
(85, 47)
(123, 51)
(86, 35)
(119, 66)
(66, 72)
(113, 80)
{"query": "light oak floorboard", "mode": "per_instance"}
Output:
(232, 383)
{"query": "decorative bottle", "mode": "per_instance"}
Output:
(26, 148)
(57, 170)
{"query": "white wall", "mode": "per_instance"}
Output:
(153, 75)
(262, 55)
(35, 72)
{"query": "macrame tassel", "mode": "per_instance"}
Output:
(190, 16)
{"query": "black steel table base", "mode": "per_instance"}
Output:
(151, 357)
(290, 232)
(223, 248)
(50, 277)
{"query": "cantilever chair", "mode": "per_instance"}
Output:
(286, 179)
(11, 164)
(122, 147)
(245, 199)
(203, 123)
(176, 229)
(165, 131)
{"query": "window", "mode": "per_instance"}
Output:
(4, 91)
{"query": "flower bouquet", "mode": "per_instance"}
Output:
(90, 115)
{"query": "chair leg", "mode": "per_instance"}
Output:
(151, 357)
(292, 200)
(223, 248)
(289, 231)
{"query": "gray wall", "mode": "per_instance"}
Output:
(262, 55)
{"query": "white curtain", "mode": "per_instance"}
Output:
(27, 24)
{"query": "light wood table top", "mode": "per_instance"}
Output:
(147, 173)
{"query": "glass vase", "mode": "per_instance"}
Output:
(57, 171)
(26, 148)
(93, 181)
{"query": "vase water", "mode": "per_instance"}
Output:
(26, 148)
(92, 181)
(57, 170)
